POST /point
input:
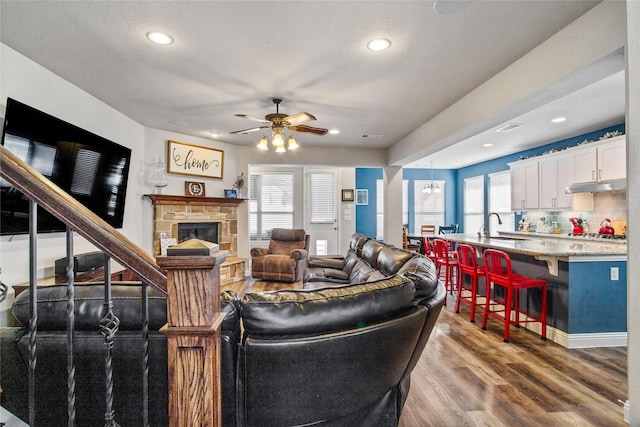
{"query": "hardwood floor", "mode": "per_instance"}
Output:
(469, 377)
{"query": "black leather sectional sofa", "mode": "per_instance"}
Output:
(339, 355)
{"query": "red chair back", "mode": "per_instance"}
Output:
(440, 249)
(467, 259)
(497, 265)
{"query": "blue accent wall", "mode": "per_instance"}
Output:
(454, 182)
(366, 214)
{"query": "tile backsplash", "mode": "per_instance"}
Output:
(611, 204)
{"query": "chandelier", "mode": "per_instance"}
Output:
(432, 187)
(278, 141)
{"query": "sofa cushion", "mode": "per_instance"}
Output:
(370, 252)
(301, 312)
(422, 271)
(89, 306)
(390, 259)
(360, 272)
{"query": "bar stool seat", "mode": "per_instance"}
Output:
(447, 260)
(499, 273)
(468, 265)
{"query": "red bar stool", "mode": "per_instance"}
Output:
(468, 265)
(428, 249)
(498, 272)
(447, 260)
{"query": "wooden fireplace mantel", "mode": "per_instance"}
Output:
(164, 199)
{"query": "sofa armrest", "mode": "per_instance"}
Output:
(299, 254)
(327, 261)
(259, 251)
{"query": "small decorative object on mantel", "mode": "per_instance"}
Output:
(239, 185)
(230, 194)
(158, 176)
(347, 195)
(195, 189)
(193, 247)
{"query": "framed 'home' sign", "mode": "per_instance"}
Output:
(188, 159)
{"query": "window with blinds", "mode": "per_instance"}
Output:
(428, 208)
(500, 201)
(270, 204)
(473, 204)
(323, 199)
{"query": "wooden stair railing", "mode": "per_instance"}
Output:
(192, 289)
(80, 219)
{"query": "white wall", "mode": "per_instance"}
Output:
(28, 82)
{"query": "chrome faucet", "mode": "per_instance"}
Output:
(487, 230)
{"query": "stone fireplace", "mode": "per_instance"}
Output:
(202, 218)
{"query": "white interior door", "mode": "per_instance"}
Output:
(321, 219)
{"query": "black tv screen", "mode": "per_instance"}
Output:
(92, 169)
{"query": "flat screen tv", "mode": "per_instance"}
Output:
(90, 168)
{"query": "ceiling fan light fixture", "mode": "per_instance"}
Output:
(280, 149)
(263, 144)
(292, 144)
(277, 140)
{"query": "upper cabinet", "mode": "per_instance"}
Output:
(600, 161)
(555, 176)
(524, 185)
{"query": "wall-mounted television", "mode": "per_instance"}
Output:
(90, 168)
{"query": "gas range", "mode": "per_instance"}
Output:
(598, 236)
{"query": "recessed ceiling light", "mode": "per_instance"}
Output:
(559, 120)
(488, 144)
(214, 133)
(450, 7)
(379, 44)
(334, 131)
(160, 38)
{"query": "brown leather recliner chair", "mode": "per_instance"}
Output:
(286, 258)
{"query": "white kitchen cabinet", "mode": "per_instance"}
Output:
(555, 175)
(524, 185)
(612, 161)
(600, 161)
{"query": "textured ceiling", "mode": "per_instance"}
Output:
(234, 56)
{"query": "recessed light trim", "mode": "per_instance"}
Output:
(559, 120)
(334, 131)
(379, 44)
(159, 37)
(488, 144)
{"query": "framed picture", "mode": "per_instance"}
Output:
(230, 194)
(194, 188)
(347, 195)
(188, 159)
(362, 197)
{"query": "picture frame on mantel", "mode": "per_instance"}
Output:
(194, 189)
(195, 160)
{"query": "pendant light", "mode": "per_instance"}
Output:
(432, 187)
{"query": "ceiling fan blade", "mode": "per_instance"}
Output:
(298, 118)
(244, 116)
(249, 130)
(308, 129)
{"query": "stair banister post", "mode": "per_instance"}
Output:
(193, 333)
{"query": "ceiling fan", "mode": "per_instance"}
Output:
(278, 121)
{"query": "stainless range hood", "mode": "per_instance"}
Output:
(597, 187)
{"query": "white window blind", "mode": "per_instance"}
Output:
(270, 204)
(428, 208)
(379, 209)
(322, 203)
(500, 201)
(473, 204)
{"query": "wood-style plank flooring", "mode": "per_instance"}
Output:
(469, 377)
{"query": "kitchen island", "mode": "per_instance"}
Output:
(586, 281)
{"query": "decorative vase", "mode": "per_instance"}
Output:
(158, 177)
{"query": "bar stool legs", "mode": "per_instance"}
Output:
(468, 266)
(499, 275)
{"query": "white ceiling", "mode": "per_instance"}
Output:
(234, 56)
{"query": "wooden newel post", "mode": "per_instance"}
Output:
(193, 332)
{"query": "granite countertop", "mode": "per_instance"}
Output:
(538, 246)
